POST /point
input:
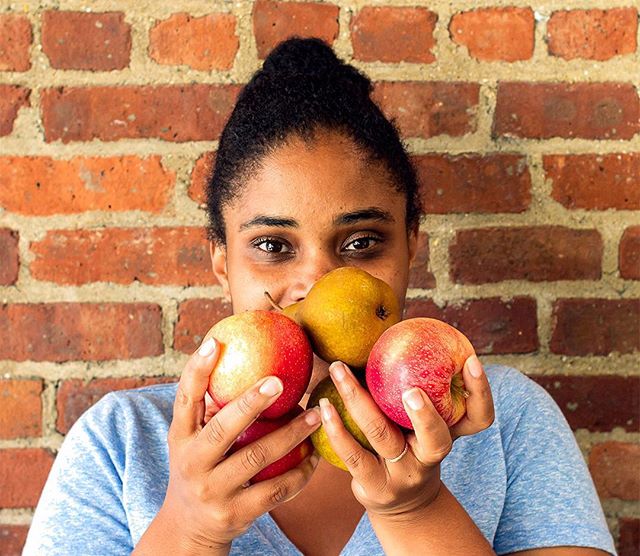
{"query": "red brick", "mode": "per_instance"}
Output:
(419, 275)
(169, 112)
(492, 325)
(23, 472)
(183, 39)
(534, 253)
(274, 22)
(629, 541)
(393, 34)
(427, 109)
(597, 403)
(75, 396)
(584, 110)
(195, 317)
(592, 34)
(12, 539)
(9, 257)
(12, 98)
(629, 254)
(15, 42)
(86, 41)
(202, 170)
(20, 408)
(177, 256)
(595, 326)
(614, 468)
(473, 183)
(595, 182)
(490, 34)
(80, 331)
(82, 184)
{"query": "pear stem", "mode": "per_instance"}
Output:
(273, 303)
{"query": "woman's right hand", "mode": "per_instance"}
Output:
(208, 502)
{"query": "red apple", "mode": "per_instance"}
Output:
(256, 344)
(260, 428)
(422, 352)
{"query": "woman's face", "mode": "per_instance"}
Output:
(308, 210)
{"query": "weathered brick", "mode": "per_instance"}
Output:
(85, 40)
(12, 539)
(393, 34)
(80, 331)
(75, 396)
(123, 255)
(597, 403)
(595, 326)
(20, 408)
(534, 253)
(9, 257)
(629, 254)
(274, 22)
(23, 472)
(595, 182)
(427, 109)
(419, 274)
(490, 34)
(614, 468)
(183, 39)
(41, 185)
(12, 98)
(583, 110)
(592, 34)
(170, 112)
(15, 42)
(473, 183)
(629, 541)
(492, 325)
(200, 174)
(195, 317)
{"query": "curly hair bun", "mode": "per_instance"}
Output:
(312, 58)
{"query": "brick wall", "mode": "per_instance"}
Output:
(523, 120)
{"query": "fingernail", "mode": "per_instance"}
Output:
(325, 409)
(337, 371)
(475, 367)
(271, 386)
(413, 399)
(314, 459)
(207, 347)
(312, 417)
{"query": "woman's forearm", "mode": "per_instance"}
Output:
(443, 527)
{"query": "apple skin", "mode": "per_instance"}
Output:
(256, 344)
(422, 352)
(260, 428)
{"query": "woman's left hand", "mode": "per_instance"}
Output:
(409, 484)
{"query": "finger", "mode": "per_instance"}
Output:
(262, 497)
(432, 441)
(385, 437)
(223, 428)
(210, 408)
(361, 463)
(480, 412)
(189, 405)
(241, 466)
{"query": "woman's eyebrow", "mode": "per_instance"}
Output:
(371, 213)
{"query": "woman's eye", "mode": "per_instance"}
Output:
(271, 246)
(361, 243)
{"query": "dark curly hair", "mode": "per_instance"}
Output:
(301, 87)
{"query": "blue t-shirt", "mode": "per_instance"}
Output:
(523, 480)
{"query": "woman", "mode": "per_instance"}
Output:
(310, 176)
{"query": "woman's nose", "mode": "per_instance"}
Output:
(309, 272)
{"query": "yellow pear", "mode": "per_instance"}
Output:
(326, 389)
(344, 313)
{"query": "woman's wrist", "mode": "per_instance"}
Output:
(410, 514)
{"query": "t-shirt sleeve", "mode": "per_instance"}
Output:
(80, 510)
(550, 499)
